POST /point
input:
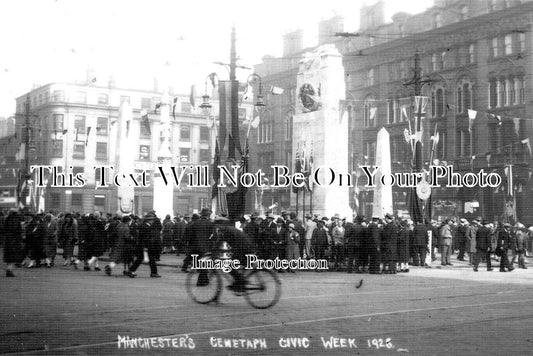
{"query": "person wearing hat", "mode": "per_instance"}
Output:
(178, 234)
(310, 226)
(446, 237)
(293, 242)
(420, 243)
(252, 230)
(337, 237)
(319, 241)
(460, 238)
(483, 245)
(149, 239)
(12, 241)
(471, 233)
(279, 240)
(503, 244)
(406, 227)
(197, 236)
(373, 243)
(354, 235)
(521, 245)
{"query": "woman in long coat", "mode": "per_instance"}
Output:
(13, 241)
(293, 244)
(50, 240)
(69, 237)
(35, 239)
(122, 250)
(471, 233)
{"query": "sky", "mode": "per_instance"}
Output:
(135, 41)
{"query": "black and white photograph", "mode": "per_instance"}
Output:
(343, 177)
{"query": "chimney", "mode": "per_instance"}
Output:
(327, 29)
(293, 42)
(372, 16)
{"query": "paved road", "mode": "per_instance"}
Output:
(61, 311)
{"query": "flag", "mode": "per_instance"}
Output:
(488, 159)
(499, 118)
(308, 180)
(157, 106)
(255, 122)
(471, 117)
(174, 103)
(297, 167)
(229, 127)
(528, 145)
(276, 90)
(373, 113)
(146, 121)
(192, 98)
(420, 113)
(404, 112)
(212, 77)
(516, 123)
(87, 137)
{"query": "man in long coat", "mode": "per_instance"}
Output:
(12, 241)
(373, 242)
(389, 245)
(483, 245)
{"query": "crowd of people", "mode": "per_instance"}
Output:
(389, 245)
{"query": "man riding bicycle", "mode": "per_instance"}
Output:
(240, 245)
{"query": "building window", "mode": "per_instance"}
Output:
(204, 134)
(390, 111)
(438, 102)
(101, 150)
(145, 129)
(99, 202)
(437, 20)
(185, 133)
(59, 95)
(146, 103)
(205, 155)
(103, 99)
(521, 42)
(494, 138)
(401, 30)
(79, 150)
(58, 122)
(494, 47)
(185, 155)
(508, 44)
(369, 113)
(77, 170)
(436, 61)
(144, 153)
(521, 91)
(80, 97)
(185, 107)
(57, 148)
(40, 99)
(462, 143)
(471, 58)
(493, 94)
(79, 123)
(102, 127)
(502, 93)
(369, 77)
(288, 127)
(441, 146)
(464, 97)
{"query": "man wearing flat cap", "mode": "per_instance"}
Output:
(198, 234)
(149, 238)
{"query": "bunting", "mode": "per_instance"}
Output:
(278, 91)
(192, 98)
(528, 145)
(174, 103)
(87, 137)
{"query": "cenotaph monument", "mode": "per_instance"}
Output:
(320, 132)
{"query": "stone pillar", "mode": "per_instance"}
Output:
(320, 131)
(164, 193)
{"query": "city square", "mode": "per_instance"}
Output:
(344, 177)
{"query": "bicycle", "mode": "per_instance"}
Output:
(262, 288)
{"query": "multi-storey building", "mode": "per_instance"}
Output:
(473, 55)
(74, 127)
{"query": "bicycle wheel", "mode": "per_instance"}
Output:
(263, 288)
(204, 286)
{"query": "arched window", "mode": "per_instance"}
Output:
(438, 102)
(464, 96)
(369, 112)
